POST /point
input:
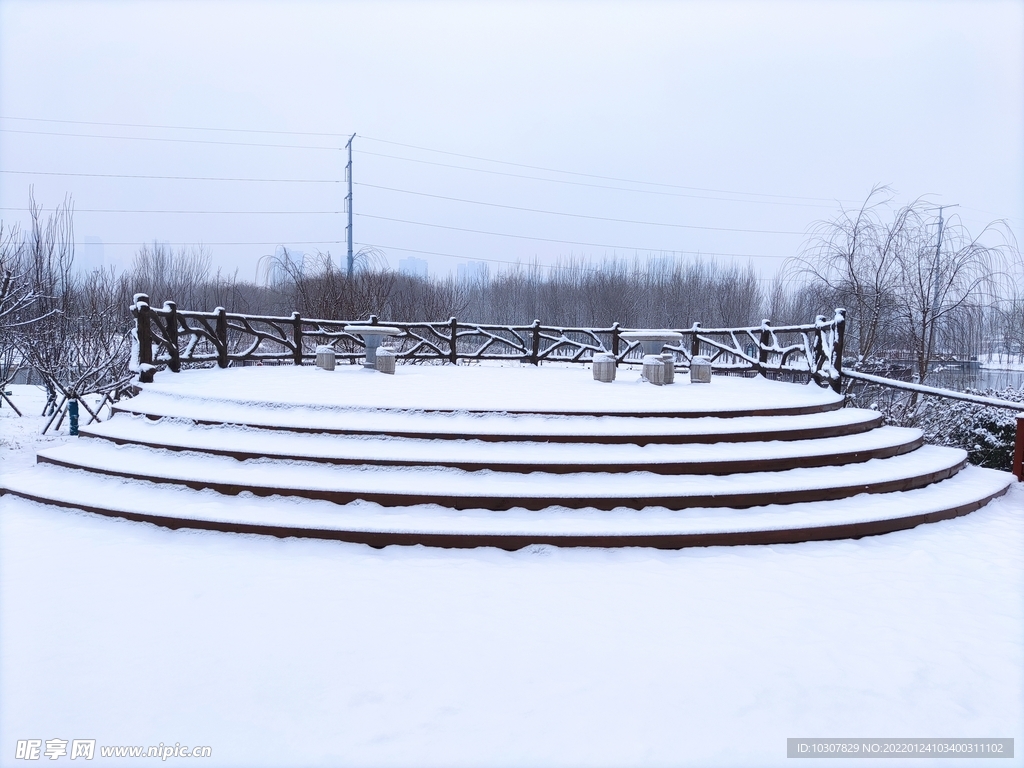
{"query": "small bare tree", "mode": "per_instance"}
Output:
(17, 305)
(77, 337)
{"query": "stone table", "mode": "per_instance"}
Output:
(373, 336)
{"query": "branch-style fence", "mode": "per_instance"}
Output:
(175, 338)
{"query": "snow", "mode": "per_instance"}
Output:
(354, 420)
(71, 486)
(1003, 362)
(444, 482)
(509, 388)
(260, 442)
(305, 652)
(300, 652)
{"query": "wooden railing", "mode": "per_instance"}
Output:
(174, 338)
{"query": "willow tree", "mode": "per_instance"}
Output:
(908, 279)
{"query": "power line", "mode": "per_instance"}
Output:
(268, 242)
(411, 146)
(567, 242)
(117, 210)
(156, 138)
(171, 127)
(597, 176)
(172, 178)
(586, 184)
(581, 215)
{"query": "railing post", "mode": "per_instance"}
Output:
(222, 337)
(453, 350)
(144, 332)
(1018, 449)
(297, 338)
(615, 342)
(762, 347)
(837, 349)
(694, 341)
(535, 354)
(172, 336)
(144, 336)
(819, 350)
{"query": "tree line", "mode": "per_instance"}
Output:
(906, 298)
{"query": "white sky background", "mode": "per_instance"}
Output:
(765, 102)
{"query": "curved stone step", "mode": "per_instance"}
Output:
(403, 486)
(503, 427)
(472, 455)
(560, 389)
(177, 507)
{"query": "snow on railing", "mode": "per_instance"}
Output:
(921, 389)
(174, 338)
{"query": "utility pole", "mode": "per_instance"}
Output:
(348, 203)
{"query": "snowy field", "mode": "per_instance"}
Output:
(1005, 362)
(297, 652)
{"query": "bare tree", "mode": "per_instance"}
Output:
(77, 338)
(17, 302)
(853, 260)
(903, 293)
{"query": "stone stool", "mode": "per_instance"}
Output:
(604, 367)
(669, 359)
(700, 370)
(385, 360)
(325, 357)
(654, 369)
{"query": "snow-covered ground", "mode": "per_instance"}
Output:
(1003, 362)
(301, 652)
(508, 386)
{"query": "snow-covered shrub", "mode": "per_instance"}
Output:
(986, 433)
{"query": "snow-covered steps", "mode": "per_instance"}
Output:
(508, 457)
(497, 490)
(559, 457)
(363, 522)
(503, 427)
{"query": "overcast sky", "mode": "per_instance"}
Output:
(689, 121)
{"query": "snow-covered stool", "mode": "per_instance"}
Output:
(325, 357)
(653, 370)
(700, 370)
(669, 359)
(385, 360)
(604, 367)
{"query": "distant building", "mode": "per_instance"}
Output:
(288, 263)
(413, 266)
(92, 257)
(472, 272)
